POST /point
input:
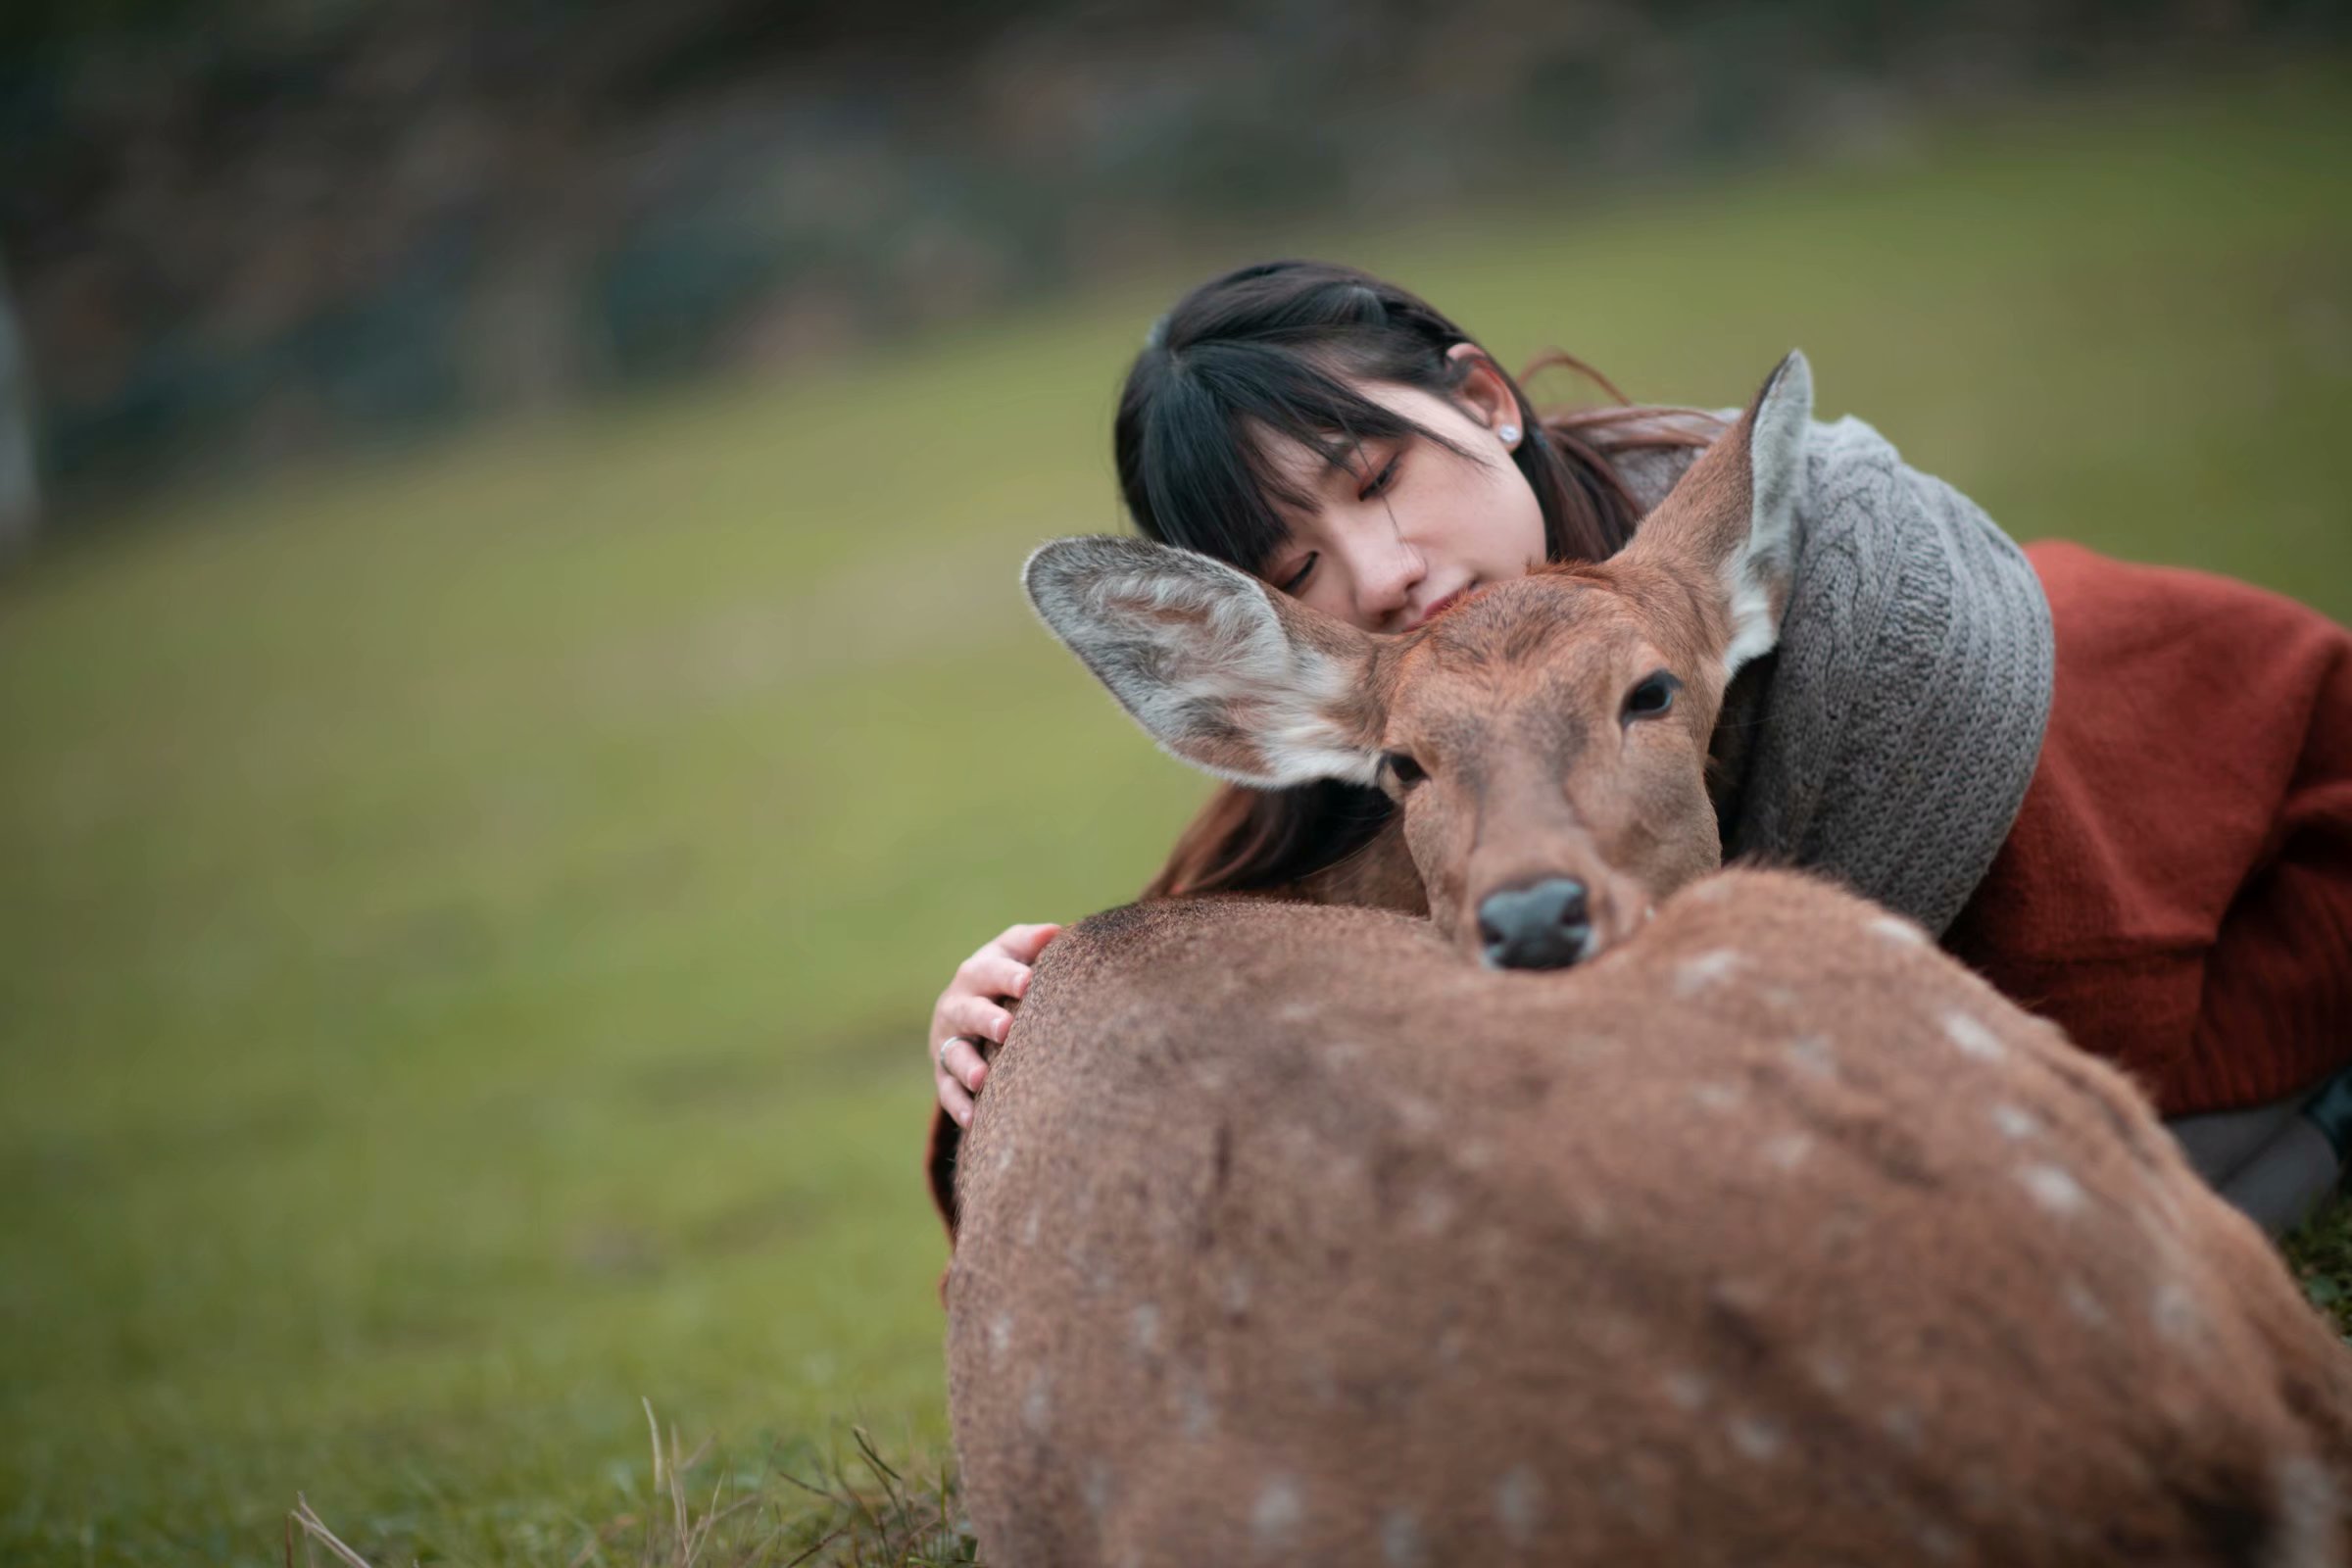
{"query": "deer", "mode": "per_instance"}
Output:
(1626, 1208)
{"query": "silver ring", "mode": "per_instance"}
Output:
(939, 1057)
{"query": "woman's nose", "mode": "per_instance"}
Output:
(1384, 577)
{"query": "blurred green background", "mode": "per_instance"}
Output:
(470, 913)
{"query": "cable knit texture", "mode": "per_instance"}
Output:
(1898, 728)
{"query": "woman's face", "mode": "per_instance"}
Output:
(1402, 526)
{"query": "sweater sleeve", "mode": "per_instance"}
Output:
(1905, 709)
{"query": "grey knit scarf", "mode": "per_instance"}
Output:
(1890, 738)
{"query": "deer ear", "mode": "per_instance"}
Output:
(1224, 674)
(1733, 513)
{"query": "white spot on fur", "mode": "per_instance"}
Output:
(1972, 1038)
(1493, 1247)
(1415, 1114)
(1830, 1372)
(1758, 1439)
(1401, 1539)
(2082, 1304)
(1322, 1379)
(1740, 1296)
(999, 1335)
(1235, 1295)
(1939, 1542)
(1519, 1505)
(1003, 1159)
(1788, 1150)
(1718, 1095)
(1096, 1492)
(1092, 1265)
(1895, 928)
(1433, 1211)
(1703, 970)
(1902, 1423)
(1686, 1390)
(2310, 1508)
(1143, 1326)
(1277, 1515)
(1037, 1408)
(2014, 1122)
(1475, 1155)
(1594, 1216)
(2173, 1311)
(2052, 1188)
(1194, 1409)
(1343, 1056)
(1812, 1056)
(1839, 1230)
(1029, 1228)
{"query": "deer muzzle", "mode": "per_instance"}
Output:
(1542, 925)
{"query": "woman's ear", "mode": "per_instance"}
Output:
(1485, 391)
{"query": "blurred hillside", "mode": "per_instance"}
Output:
(242, 230)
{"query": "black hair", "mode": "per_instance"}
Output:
(1275, 349)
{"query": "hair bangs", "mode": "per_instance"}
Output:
(1208, 470)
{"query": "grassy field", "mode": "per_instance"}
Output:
(468, 919)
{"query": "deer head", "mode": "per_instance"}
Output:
(1545, 738)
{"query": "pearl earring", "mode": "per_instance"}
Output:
(1509, 434)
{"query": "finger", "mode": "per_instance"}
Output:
(993, 972)
(962, 1060)
(977, 1016)
(1024, 943)
(954, 1101)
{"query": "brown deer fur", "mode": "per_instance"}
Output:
(1774, 1236)
(1767, 1234)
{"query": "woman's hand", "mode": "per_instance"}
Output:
(969, 1010)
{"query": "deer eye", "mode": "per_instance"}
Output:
(1401, 768)
(1652, 697)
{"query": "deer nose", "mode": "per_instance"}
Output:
(1545, 925)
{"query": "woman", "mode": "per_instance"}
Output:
(1349, 445)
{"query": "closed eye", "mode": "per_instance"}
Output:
(1380, 483)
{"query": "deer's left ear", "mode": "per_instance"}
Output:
(1733, 513)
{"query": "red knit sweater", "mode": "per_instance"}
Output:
(2177, 891)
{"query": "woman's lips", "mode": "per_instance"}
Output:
(1431, 612)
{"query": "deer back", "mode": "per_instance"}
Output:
(1771, 1237)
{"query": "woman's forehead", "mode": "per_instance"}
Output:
(1307, 466)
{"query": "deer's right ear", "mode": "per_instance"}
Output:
(1223, 673)
(1733, 514)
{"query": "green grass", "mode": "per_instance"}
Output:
(469, 918)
